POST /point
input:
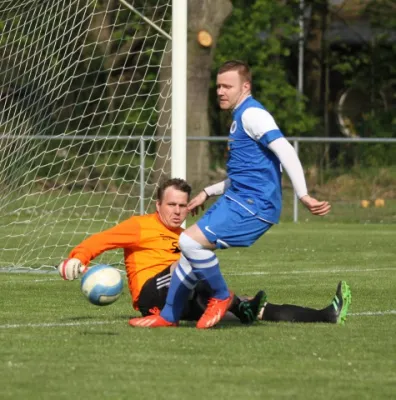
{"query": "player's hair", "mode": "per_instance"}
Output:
(177, 183)
(237, 65)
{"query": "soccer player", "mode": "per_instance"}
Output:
(151, 250)
(250, 203)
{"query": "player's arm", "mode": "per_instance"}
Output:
(291, 163)
(261, 126)
(120, 236)
(216, 189)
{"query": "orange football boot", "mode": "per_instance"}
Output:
(214, 312)
(151, 321)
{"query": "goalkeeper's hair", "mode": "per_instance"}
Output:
(237, 65)
(177, 183)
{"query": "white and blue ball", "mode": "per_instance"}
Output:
(102, 285)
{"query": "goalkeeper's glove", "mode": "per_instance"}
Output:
(71, 269)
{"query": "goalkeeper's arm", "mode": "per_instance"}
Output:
(121, 235)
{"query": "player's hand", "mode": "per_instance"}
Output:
(314, 206)
(71, 269)
(197, 203)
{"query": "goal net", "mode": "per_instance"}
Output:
(85, 114)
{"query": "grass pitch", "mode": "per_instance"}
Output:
(55, 345)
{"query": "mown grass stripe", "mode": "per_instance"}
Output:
(60, 324)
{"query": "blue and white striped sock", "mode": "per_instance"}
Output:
(205, 265)
(182, 283)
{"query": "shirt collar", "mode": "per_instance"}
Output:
(240, 103)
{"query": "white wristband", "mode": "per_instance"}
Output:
(218, 188)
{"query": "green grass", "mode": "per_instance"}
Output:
(39, 229)
(55, 345)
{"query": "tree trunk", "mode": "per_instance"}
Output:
(206, 15)
(314, 56)
(210, 16)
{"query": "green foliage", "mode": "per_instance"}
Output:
(370, 68)
(260, 32)
(93, 77)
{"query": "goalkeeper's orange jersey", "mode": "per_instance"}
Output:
(149, 248)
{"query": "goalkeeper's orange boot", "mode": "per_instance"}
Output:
(151, 321)
(214, 312)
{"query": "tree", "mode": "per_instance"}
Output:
(263, 33)
(363, 71)
(206, 15)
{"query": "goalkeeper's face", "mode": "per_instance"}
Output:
(172, 208)
(231, 89)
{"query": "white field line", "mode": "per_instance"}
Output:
(372, 313)
(56, 324)
(247, 273)
(30, 281)
(88, 323)
(315, 271)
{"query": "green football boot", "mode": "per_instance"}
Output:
(249, 309)
(341, 302)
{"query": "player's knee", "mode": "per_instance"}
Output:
(187, 244)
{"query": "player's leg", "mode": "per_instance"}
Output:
(152, 297)
(226, 225)
(245, 310)
(198, 263)
(338, 309)
(335, 313)
(182, 283)
(153, 293)
(151, 300)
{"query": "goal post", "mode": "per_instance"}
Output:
(179, 89)
(88, 93)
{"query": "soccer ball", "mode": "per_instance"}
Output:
(102, 285)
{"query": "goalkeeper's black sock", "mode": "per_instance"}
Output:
(292, 313)
(234, 307)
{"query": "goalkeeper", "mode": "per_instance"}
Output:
(151, 253)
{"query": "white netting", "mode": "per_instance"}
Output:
(80, 82)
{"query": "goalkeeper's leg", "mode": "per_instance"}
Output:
(152, 297)
(335, 313)
(244, 310)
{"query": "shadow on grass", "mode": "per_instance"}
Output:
(81, 318)
(96, 333)
(224, 324)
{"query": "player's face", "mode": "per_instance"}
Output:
(231, 90)
(172, 210)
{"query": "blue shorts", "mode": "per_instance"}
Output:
(227, 224)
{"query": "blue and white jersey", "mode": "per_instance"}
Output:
(253, 169)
